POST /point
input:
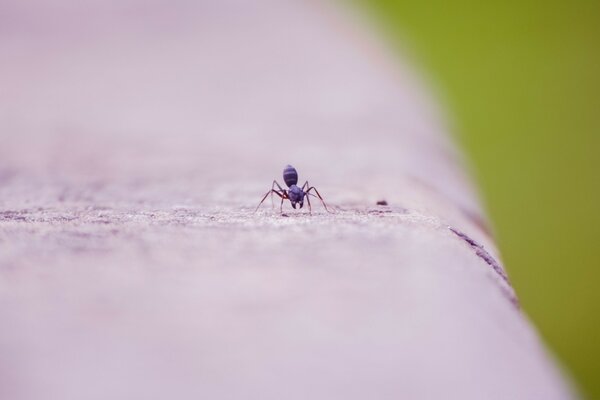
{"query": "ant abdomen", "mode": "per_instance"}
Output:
(290, 176)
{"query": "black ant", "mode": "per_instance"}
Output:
(294, 194)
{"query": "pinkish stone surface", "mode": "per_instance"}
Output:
(137, 138)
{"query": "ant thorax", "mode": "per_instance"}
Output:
(295, 194)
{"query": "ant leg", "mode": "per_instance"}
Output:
(319, 196)
(270, 192)
(306, 195)
(273, 188)
(285, 196)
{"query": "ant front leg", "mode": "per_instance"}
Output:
(270, 192)
(318, 195)
(307, 197)
(285, 196)
(281, 190)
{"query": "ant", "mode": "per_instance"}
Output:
(294, 194)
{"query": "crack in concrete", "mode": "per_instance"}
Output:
(491, 261)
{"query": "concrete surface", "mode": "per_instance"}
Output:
(136, 140)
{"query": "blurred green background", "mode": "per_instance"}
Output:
(522, 80)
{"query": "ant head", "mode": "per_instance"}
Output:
(290, 176)
(296, 196)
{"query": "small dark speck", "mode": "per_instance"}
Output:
(284, 215)
(382, 203)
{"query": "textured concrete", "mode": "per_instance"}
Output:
(136, 140)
